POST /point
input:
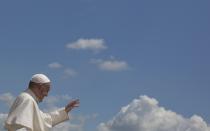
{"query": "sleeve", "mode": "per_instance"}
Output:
(55, 117)
(17, 128)
(22, 129)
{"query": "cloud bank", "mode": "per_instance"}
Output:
(144, 114)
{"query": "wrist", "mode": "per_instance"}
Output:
(67, 109)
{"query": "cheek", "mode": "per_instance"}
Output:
(41, 94)
(44, 93)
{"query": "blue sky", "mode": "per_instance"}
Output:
(108, 53)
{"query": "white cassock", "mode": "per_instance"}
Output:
(25, 115)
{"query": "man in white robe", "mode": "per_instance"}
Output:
(25, 114)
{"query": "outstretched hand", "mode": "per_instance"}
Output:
(72, 104)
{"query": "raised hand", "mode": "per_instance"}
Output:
(72, 104)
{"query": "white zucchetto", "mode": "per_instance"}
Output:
(40, 78)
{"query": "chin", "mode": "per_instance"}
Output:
(40, 100)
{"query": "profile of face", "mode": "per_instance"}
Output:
(42, 91)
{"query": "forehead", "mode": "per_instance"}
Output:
(46, 86)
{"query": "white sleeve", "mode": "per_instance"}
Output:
(22, 129)
(56, 117)
(14, 128)
(59, 116)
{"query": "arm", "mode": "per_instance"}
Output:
(61, 114)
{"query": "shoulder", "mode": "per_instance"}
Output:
(22, 103)
(24, 97)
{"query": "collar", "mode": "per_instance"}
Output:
(30, 92)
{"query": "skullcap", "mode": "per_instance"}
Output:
(40, 78)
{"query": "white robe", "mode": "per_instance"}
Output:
(25, 114)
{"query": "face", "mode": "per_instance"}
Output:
(42, 91)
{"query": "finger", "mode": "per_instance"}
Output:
(76, 100)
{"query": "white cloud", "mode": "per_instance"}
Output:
(67, 72)
(110, 65)
(51, 102)
(67, 126)
(54, 65)
(88, 44)
(70, 72)
(8, 98)
(77, 123)
(2, 119)
(144, 114)
(113, 65)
